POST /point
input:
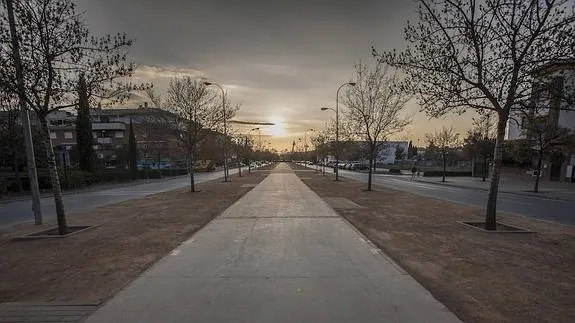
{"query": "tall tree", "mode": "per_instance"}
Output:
(375, 108)
(482, 55)
(84, 137)
(190, 112)
(400, 152)
(445, 140)
(132, 152)
(319, 139)
(56, 47)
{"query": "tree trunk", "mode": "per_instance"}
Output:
(539, 162)
(484, 169)
(444, 166)
(192, 171)
(54, 178)
(491, 210)
(371, 163)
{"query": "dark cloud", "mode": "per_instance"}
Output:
(278, 58)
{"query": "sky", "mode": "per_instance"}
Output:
(281, 60)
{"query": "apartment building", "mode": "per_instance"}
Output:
(553, 91)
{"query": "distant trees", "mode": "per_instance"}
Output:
(482, 55)
(480, 142)
(320, 141)
(375, 108)
(411, 150)
(445, 140)
(400, 153)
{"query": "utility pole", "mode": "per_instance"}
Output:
(30, 159)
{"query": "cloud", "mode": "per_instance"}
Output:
(152, 72)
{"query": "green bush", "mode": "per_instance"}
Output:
(75, 178)
(395, 171)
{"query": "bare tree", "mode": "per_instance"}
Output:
(445, 140)
(242, 146)
(190, 113)
(546, 139)
(11, 135)
(319, 139)
(56, 46)
(482, 55)
(480, 140)
(375, 108)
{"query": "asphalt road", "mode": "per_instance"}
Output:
(21, 210)
(540, 208)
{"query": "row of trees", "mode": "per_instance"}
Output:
(485, 56)
(49, 61)
(497, 58)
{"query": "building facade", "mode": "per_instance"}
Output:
(552, 98)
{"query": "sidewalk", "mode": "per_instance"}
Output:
(547, 189)
(279, 254)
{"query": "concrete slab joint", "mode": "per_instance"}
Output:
(279, 254)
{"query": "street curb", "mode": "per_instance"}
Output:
(87, 189)
(500, 191)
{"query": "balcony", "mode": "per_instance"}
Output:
(108, 126)
(104, 140)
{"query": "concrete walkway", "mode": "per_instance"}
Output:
(279, 254)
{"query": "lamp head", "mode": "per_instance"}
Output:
(206, 83)
(323, 109)
(352, 83)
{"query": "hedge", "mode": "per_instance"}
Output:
(75, 178)
(437, 173)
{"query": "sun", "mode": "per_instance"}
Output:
(277, 130)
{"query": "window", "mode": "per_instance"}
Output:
(119, 134)
(68, 135)
(53, 135)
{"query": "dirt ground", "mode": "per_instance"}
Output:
(481, 277)
(130, 236)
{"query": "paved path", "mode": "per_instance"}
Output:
(560, 211)
(21, 210)
(279, 254)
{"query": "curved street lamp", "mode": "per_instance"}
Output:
(226, 174)
(337, 127)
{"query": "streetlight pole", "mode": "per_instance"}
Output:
(337, 127)
(30, 159)
(226, 175)
(250, 164)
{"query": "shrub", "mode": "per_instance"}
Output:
(437, 173)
